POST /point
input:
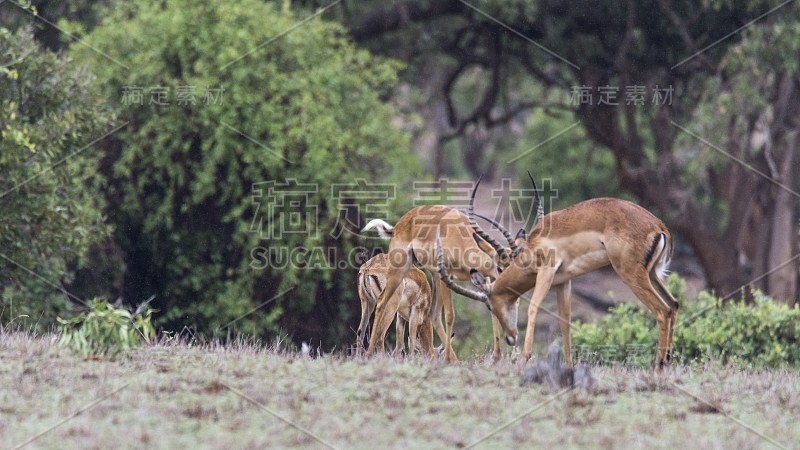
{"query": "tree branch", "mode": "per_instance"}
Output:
(399, 16)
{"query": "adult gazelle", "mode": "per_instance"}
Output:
(465, 248)
(571, 242)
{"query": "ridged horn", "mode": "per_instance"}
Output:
(537, 201)
(497, 225)
(537, 204)
(475, 227)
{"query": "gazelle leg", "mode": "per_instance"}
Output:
(662, 309)
(399, 331)
(367, 308)
(449, 318)
(384, 312)
(672, 321)
(437, 325)
(663, 322)
(671, 318)
(424, 325)
(366, 312)
(643, 280)
(436, 313)
(564, 297)
(665, 294)
(383, 319)
(544, 278)
(497, 352)
(426, 337)
(414, 321)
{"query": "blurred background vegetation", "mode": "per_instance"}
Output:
(161, 200)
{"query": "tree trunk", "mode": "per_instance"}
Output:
(782, 283)
(657, 184)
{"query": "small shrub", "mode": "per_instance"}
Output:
(106, 330)
(627, 335)
(763, 333)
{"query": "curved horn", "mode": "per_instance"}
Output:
(471, 217)
(502, 229)
(448, 280)
(515, 249)
(537, 201)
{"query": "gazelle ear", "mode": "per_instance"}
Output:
(519, 241)
(481, 281)
(483, 245)
(477, 278)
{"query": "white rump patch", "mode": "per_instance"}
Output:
(384, 229)
(662, 265)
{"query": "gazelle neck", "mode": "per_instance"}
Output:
(517, 278)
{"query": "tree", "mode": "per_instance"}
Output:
(753, 102)
(570, 163)
(569, 45)
(50, 204)
(47, 19)
(225, 104)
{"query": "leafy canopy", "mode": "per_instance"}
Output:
(50, 202)
(288, 102)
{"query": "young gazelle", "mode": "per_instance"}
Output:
(411, 302)
(466, 247)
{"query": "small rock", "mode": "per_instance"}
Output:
(583, 377)
(556, 374)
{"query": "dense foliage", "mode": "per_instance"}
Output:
(224, 104)
(50, 202)
(218, 103)
(759, 334)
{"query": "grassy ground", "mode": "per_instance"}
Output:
(244, 396)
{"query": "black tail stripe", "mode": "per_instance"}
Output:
(377, 282)
(650, 253)
(365, 283)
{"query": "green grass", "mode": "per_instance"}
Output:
(176, 395)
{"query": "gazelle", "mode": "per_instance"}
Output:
(411, 301)
(567, 243)
(466, 247)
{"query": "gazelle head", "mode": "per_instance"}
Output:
(504, 305)
(505, 310)
(504, 256)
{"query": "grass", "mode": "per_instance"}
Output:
(242, 395)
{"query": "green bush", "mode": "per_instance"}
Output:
(763, 333)
(306, 105)
(106, 330)
(50, 196)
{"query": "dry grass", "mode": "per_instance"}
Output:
(176, 395)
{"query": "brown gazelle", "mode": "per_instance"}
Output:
(567, 243)
(411, 301)
(465, 246)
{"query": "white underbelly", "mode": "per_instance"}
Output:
(582, 264)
